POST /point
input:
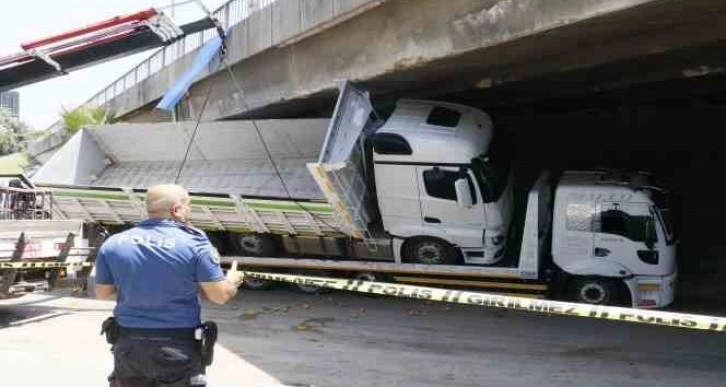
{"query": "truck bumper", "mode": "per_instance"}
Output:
(650, 292)
(28, 287)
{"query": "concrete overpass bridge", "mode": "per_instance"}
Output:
(287, 54)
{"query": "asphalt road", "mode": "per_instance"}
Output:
(343, 339)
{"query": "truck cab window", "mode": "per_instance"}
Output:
(492, 177)
(440, 184)
(441, 116)
(390, 144)
(618, 222)
(664, 208)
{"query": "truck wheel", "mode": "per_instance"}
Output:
(257, 284)
(310, 289)
(430, 251)
(370, 276)
(596, 291)
(367, 276)
(254, 245)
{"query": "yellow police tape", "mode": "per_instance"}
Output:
(20, 265)
(662, 318)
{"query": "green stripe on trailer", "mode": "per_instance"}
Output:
(90, 195)
(213, 202)
(256, 204)
(289, 206)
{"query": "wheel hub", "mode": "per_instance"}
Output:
(593, 293)
(430, 253)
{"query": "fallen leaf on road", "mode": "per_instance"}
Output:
(250, 314)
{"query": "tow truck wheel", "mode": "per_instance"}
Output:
(310, 289)
(254, 245)
(596, 291)
(256, 284)
(367, 276)
(430, 251)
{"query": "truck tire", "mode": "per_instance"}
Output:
(595, 291)
(367, 276)
(254, 245)
(310, 289)
(430, 251)
(370, 276)
(257, 284)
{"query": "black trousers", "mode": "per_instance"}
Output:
(156, 362)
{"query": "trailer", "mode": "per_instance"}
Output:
(424, 196)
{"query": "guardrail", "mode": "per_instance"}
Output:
(229, 14)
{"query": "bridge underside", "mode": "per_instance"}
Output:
(492, 53)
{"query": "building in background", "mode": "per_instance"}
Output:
(10, 100)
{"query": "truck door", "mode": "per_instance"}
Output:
(440, 213)
(621, 234)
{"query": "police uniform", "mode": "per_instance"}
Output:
(156, 268)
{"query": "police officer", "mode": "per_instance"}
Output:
(156, 271)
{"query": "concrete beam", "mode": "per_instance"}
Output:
(420, 47)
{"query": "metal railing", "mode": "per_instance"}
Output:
(229, 14)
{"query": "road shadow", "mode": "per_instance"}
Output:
(37, 307)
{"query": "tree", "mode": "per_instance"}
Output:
(12, 133)
(76, 119)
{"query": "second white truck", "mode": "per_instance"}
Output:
(425, 196)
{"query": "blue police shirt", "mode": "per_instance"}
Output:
(156, 268)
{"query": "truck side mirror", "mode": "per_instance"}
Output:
(463, 193)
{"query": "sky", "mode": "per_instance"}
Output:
(41, 103)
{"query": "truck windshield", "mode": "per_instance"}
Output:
(491, 176)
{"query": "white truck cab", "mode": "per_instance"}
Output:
(437, 190)
(611, 226)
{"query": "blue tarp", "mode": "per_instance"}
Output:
(180, 87)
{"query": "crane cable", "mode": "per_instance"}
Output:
(223, 61)
(269, 154)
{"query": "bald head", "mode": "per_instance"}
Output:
(167, 201)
